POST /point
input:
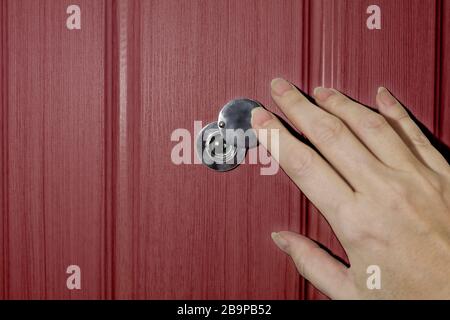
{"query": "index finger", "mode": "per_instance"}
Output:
(309, 171)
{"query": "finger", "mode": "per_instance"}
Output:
(325, 272)
(371, 128)
(329, 134)
(416, 140)
(309, 171)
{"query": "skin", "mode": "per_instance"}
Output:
(387, 194)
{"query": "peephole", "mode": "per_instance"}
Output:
(234, 126)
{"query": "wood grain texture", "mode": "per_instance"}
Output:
(53, 134)
(87, 115)
(3, 143)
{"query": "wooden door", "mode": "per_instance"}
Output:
(87, 116)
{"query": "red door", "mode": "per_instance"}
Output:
(87, 117)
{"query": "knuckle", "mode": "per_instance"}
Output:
(419, 139)
(270, 124)
(327, 130)
(373, 236)
(373, 121)
(300, 163)
(413, 132)
(293, 99)
(304, 260)
(439, 185)
(353, 229)
(402, 116)
(432, 183)
(336, 100)
(299, 262)
(301, 266)
(446, 172)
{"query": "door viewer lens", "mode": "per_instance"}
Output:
(218, 149)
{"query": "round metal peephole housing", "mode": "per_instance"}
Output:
(222, 145)
(215, 153)
(235, 124)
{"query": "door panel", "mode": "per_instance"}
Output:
(87, 118)
(53, 152)
(191, 232)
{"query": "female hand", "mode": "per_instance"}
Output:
(382, 186)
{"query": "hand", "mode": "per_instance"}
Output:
(384, 189)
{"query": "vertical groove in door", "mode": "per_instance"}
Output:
(109, 146)
(321, 69)
(305, 74)
(3, 147)
(124, 79)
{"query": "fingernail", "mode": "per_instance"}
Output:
(385, 97)
(280, 86)
(322, 93)
(260, 117)
(280, 241)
